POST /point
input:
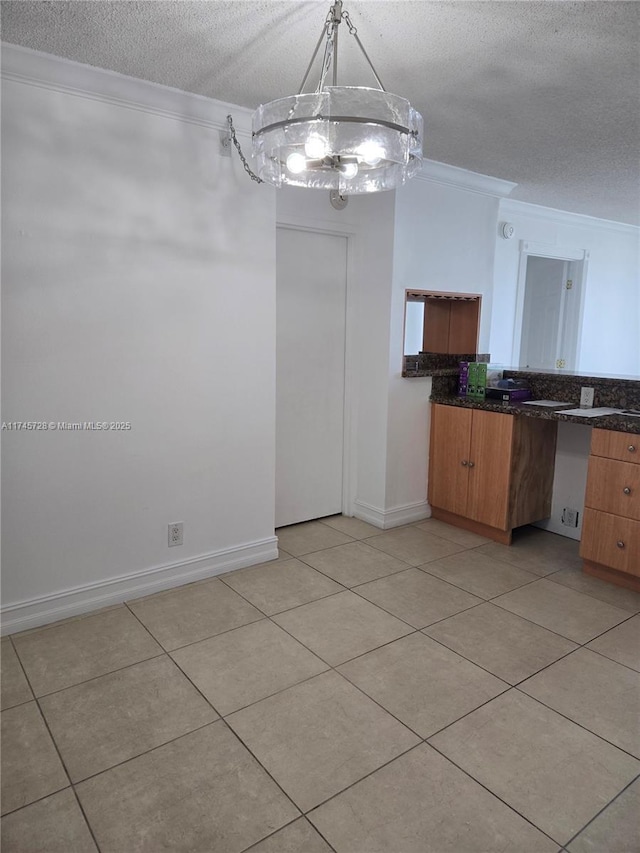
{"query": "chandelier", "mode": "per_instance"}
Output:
(347, 139)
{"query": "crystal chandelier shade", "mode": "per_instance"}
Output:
(350, 139)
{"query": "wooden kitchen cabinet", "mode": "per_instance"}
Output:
(490, 472)
(610, 544)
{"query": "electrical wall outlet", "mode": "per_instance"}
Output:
(586, 398)
(570, 517)
(176, 536)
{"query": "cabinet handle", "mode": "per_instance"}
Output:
(631, 448)
(472, 464)
(620, 543)
(464, 463)
(627, 490)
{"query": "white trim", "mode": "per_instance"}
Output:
(395, 517)
(511, 206)
(551, 250)
(443, 173)
(34, 612)
(33, 68)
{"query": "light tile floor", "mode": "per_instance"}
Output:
(419, 690)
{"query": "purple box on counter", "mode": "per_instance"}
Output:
(508, 395)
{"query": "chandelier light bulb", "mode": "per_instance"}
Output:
(349, 170)
(371, 153)
(296, 163)
(316, 147)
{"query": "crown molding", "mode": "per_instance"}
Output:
(33, 68)
(453, 176)
(514, 207)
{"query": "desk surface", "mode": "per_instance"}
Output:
(620, 423)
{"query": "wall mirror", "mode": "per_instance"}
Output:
(441, 322)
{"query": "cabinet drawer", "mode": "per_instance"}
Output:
(611, 541)
(614, 487)
(616, 445)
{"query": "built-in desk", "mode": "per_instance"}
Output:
(492, 465)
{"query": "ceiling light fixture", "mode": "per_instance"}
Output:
(349, 139)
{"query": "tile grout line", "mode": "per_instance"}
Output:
(64, 767)
(84, 814)
(334, 669)
(301, 817)
(606, 657)
(603, 809)
(176, 664)
(151, 749)
(520, 586)
(493, 794)
(235, 734)
(357, 781)
(580, 725)
(606, 631)
(163, 653)
(193, 642)
(588, 594)
(404, 567)
(488, 671)
(564, 636)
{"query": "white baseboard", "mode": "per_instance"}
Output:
(24, 615)
(387, 518)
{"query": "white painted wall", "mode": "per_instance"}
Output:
(570, 480)
(139, 285)
(610, 338)
(444, 240)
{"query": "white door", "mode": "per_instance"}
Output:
(310, 363)
(542, 323)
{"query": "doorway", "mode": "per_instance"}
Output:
(549, 308)
(311, 293)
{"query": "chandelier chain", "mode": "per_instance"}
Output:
(234, 139)
(352, 28)
(330, 25)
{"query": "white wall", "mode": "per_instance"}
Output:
(610, 339)
(139, 285)
(570, 479)
(444, 240)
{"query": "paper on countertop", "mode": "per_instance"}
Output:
(545, 403)
(590, 413)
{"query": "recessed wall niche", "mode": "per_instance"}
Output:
(441, 322)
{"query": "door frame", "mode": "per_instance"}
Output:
(349, 429)
(579, 258)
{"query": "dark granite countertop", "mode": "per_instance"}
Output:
(437, 364)
(619, 423)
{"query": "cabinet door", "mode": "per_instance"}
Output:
(490, 468)
(450, 440)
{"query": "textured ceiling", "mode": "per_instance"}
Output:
(545, 94)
